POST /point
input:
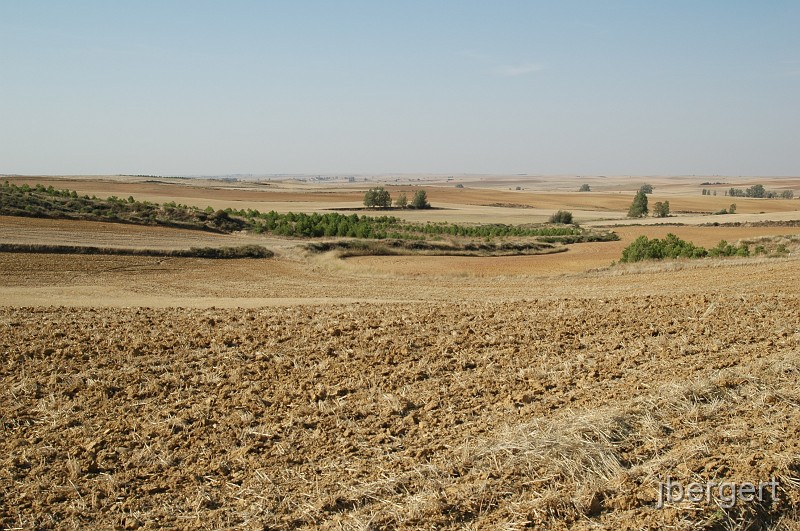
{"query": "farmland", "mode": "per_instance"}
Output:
(313, 390)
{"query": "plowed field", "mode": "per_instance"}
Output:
(305, 391)
(548, 413)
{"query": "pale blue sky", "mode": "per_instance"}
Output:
(559, 87)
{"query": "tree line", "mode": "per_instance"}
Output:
(381, 198)
(758, 191)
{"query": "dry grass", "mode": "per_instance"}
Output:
(609, 460)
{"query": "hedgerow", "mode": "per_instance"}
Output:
(673, 247)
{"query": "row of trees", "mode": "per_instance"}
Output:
(646, 188)
(758, 191)
(380, 198)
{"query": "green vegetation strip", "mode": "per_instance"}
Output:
(673, 247)
(49, 202)
(245, 251)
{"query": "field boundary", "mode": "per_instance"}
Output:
(244, 251)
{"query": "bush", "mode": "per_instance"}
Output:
(673, 247)
(585, 188)
(562, 216)
(244, 251)
(656, 249)
(724, 248)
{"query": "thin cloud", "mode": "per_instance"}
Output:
(476, 56)
(517, 70)
(497, 68)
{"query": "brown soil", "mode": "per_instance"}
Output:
(304, 391)
(551, 413)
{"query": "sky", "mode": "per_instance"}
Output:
(561, 87)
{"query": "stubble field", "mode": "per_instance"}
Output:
(306, 391)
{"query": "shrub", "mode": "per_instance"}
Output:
(585, 188)
(244, 251)
(562, 216)
(724, 248)
(657, 249)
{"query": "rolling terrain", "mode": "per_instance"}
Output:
(378, 392)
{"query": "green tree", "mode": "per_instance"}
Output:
(585, 188)
(732, 208)
(638, 208)
(420, 200)
(401, 201)
(377, 197)
(757, 190)
(661, 210)
(646, 188)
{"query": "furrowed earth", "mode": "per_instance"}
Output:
(380, 392)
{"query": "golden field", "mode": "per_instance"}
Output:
(376, 392)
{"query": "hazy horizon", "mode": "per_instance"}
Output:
(363, 88)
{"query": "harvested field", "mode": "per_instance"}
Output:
(577, 259)
(472, 204)
(547, 413)
(305, 391)
(101, 281)
(121, 235)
